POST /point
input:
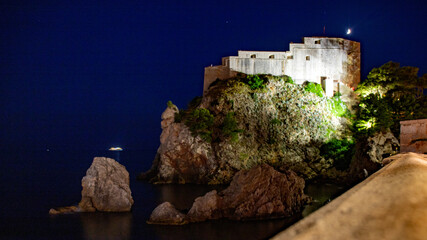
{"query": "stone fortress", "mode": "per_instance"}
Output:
(332, 62)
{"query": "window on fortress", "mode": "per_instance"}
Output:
(253, 56)
(317, 42)
(290, 57)
(307, 58)
(271, 56)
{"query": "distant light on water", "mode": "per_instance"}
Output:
(115, 149)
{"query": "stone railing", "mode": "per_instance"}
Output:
(413, 136)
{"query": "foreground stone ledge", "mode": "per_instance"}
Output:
(390, 204)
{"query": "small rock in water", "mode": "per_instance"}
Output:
(167, 214)
(64, 210)
(206, 207)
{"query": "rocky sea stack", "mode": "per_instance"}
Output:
(105, 188)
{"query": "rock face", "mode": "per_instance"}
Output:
(63, 210)
(183, 158)
(259, 193)
(263, 192)
(282, 125)
(167, 214)
(370, 154)
(209, 206)
(382, 144)
(106, 187)
(390, 204)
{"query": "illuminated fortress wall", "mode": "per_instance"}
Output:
(413, 136)
(332, 62)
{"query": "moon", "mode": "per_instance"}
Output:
(348, 31)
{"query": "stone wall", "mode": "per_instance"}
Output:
(332, 62)
(413, 136)
(213, 73)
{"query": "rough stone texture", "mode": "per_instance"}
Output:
(263, 192)
(213, 73)
(413, 136)
(106, 187)
(370, 154)
(64, 210)
(283, 126)
(206, 207)
(182, 157)
(259, 193)
(167, 214)
(390, 204)
(382, 144)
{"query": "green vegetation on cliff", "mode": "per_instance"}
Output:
(200, 121)
(250, 120)
(389, 95)
(314, 88)
(341, 151)
(229, 127)
(256, 119)
(255, 82)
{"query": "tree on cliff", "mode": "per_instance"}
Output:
(389, 95)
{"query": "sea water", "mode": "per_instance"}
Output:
(32, 182)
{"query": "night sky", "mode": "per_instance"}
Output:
(90, 75)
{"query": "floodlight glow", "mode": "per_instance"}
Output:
(115, 149)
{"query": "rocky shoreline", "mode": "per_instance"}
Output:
(258, 193)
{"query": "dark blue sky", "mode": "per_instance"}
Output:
(96, 74)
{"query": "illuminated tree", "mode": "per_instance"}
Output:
(389, 95)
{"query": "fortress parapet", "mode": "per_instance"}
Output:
(332, 62)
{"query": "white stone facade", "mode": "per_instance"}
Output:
(332, 62)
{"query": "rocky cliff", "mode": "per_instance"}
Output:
(243, 122)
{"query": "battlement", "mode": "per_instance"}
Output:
(332, 62)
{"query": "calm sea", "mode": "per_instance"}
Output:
(32, 182)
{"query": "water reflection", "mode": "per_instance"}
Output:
(107, 226)
(120, 225)
(224, 229)
(321, 195)
(182, 196)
